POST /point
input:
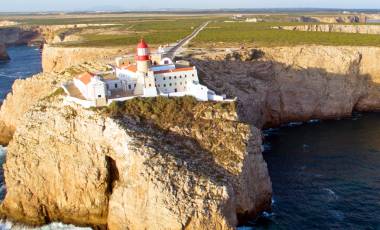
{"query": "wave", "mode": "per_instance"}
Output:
(331, 194)
(8, 225)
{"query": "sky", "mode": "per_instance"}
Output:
(74, 5)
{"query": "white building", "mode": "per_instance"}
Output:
(145, 78)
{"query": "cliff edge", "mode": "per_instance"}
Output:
(179, 164)
(285, 84)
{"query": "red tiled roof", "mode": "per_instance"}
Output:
(132, 68)
(85, 77)
(174, 70)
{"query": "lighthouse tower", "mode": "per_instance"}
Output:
(143, 57)
(145, 84)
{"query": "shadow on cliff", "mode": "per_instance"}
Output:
(271, 93)
(189, 154)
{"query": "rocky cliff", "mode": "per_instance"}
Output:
(17, 35)
(359, 29)
(284, 84)
(25, 93)
(57, 59)
(204, 170)
(126, 170)
(3, 53)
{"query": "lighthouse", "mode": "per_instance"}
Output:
(145, 84)
(143, 57)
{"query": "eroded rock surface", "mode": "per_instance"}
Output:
(357, 29)
(89, 168)
(283, 84)
(57, 59)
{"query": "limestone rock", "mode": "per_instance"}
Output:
(284, 84)
(359, 29)
(25, 93)
(57, 59)
(84, 167)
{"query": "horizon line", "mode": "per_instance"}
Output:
(178, 10)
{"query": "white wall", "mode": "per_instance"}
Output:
(96, 89)
(169, 82)
(198, 91)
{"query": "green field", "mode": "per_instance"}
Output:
(222, 34)
(156, 32)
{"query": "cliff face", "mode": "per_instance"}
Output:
(57, 59)
(360, 29)
(25, 93)
(89, 168)
(17, 36)
(283, 84)
(3, 53)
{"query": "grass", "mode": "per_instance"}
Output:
(261, 34)
(155, 32)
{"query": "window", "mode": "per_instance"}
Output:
(170, 84)
(129, 87)
(175, 90)
(175, 83)
(164, 85)
(163, 78)
(135, 85)
(99, 96)
(175, 77)
(185, 75)
(150, 85)
(193, 75)
(159, 85)
(181, 76)
(170, 78)
(115, 85)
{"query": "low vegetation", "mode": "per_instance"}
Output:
(169, 112)
(222, 34)
(212, 125)
(130, 32)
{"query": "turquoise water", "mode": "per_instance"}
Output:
(25, 61)
(325, 174)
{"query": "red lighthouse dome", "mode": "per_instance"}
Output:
(142, 44)
(142, 51)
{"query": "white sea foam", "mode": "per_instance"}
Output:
(7, 225)
(313, 121)
(292, 124)
(331, 194)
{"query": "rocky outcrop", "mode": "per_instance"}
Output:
(284, 84)
(342, 19)
(93, 168)
(57, 59)
(3, 53)
(17, 36)
(25, 93)
(358, 29)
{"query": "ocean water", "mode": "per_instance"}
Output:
(325, 175)
(25, 61)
